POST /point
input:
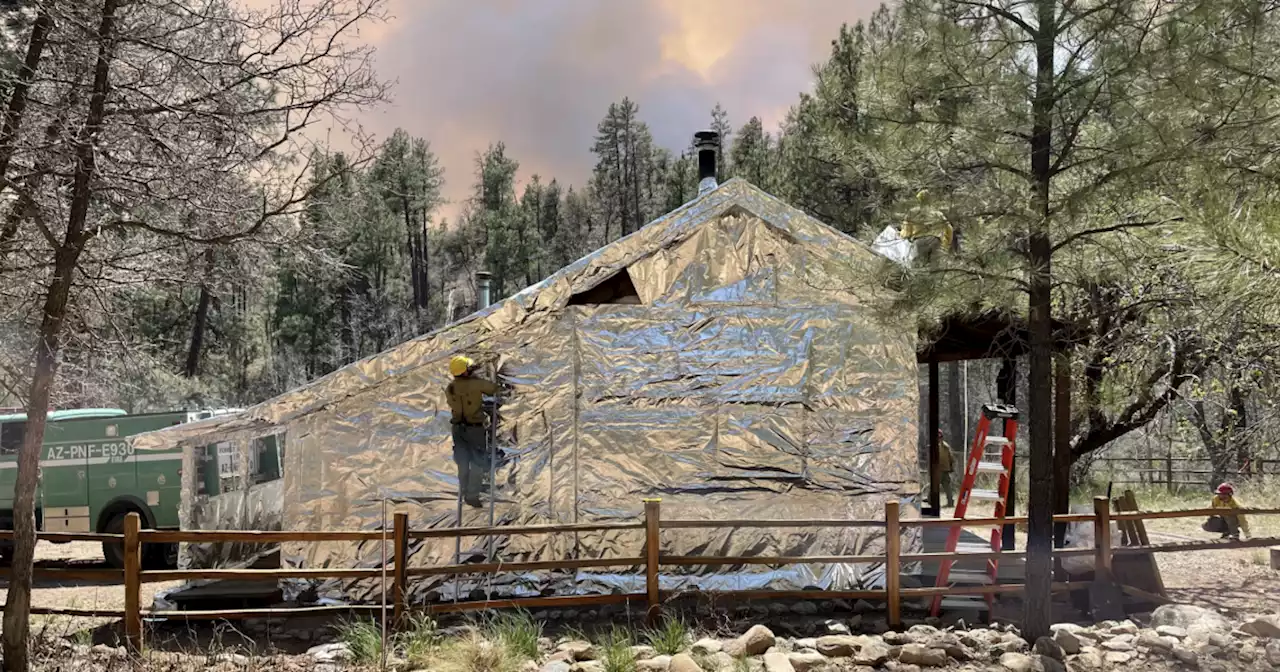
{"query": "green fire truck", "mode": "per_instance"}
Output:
(91, 477)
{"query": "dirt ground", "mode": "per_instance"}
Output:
(77, 594)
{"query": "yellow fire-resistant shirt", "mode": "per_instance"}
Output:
(1229, 502)
(466, 399)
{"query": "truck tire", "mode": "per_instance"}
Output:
(161, 556)
(113, 551)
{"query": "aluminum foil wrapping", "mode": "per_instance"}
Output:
(746, 378)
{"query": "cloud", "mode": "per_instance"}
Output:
(539, 74)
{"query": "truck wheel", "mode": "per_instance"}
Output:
(113, 551)
(162, 556)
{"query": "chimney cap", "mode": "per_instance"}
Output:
(483, 275)
(706, 139)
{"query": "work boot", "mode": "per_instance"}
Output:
(473, 502)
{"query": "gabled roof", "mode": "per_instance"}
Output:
(734, 197)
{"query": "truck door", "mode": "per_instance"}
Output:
(11, 434)
(64, 480)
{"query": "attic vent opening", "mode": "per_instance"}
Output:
(616, 289)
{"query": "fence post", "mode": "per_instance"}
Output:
(401, 559)
(132, 581)
(652, 544)
(1102, 537)
(1168, 473)
(892, 562)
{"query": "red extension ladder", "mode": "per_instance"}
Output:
(999, 464)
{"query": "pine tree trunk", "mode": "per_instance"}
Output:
(1037, 616)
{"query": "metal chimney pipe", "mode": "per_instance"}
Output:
(483, 284)
(707, 143)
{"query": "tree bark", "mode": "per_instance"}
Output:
(1062, 457)
(201, 321)
(1037, 616)
(18, 604)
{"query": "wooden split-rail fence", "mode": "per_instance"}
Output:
(398, 574)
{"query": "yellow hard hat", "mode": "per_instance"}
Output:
(459, 365)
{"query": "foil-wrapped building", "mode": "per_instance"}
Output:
(723, 358)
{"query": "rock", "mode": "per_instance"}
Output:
(642, 652)
(1220, 640)
(955, 650)
(330, 653)
(1050, 664)
(895, 666)
(753, 642)
(837, 628)
(872, 654)
(779, 609)
(1089, 660)
(1017, 662)
(564, 656)
(1263, 626)
(114, 651)
(1171, 631)
(1047, 647)
(1273, 654)
(923, 631)
(838, 646)
(555, 666)
(919, 654)
(707, 646)
(1248, 653)
(577, 649)
(1154, 641)
(805, 608)
(1126, 628)
(776, 661)
(722, 661)
(898, 638)
(1067, 641)
(1114, 645)
(526, 666)
(1010, 644)
(863, 607)
(233, 658)
(1127, 639)
(855, 622)
(1118, 657)
(683, 662)
(805, 643)
(587, 666)
(802, 662)
(1185, 616)
(655, 664)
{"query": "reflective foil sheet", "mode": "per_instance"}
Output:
(724, 359)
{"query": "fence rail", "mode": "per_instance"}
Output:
(398, 574)
(1179, 472)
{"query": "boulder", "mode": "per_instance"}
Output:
(1017, 662)
(1171, 631)
(753, 642)
(803, 662)
(776, 661)
(721, 661)
(804, 608)
(1116, 645)
(805, 643)
(1273, 654)
(555, 666)
(1118, 657)
(707, 646)
(587, 666)
(683, 662)
(1126, 628)
(1067, 641)
(838, 646)
(898, 638)
(577, 649)
(655, 664)
(863, 607)
(1263, 626)
(836, 628)
(1153, 641)
(873, 653)
(919, 654)
(330, 653)
(1050, 664)
(1047, 647)
(1089, 660)
(1186, 616)
(1248, 653)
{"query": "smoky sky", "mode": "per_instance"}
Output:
(539, 74)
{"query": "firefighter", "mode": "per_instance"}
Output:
(1232, 524)
(945, 465)
(465, 394)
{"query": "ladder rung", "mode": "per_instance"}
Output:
(970, 547)
(970, 576)
(997, 441)
(964, 603)
(991, 468)
(988, 495)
